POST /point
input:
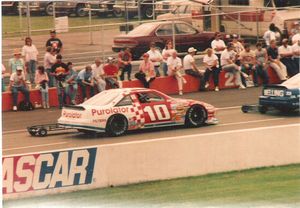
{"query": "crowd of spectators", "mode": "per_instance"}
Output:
(236, 57)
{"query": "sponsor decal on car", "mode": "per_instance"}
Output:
(71, 114)
(109, 111)
(48, 170)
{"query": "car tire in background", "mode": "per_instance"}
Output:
(116, 125)
(80, 12)
(49, 9)
(148, 12)
(118, 13)
(195, 116)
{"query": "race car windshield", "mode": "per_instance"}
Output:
(103, 98)
(293, 82)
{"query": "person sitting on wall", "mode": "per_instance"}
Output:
(98, 74)
(125, 59)
(146, 72)
(111, 71)
(41, 80)
(71, 84)
(18, 83)
(210, 61)
(286, 54)
(248, 64)
(261, 66)
(85, 79)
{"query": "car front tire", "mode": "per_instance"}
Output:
(116, 125)
(195, 116)
(49, 10)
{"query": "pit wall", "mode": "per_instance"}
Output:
(166, 85)
(85, 168)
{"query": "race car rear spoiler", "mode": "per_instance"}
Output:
(76, 107)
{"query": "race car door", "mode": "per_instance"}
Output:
(156, 110)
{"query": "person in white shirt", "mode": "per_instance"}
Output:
(30, 54)
(228, 58)
(191, 69)
(296, 53)
(218, 45)
(156, 58)
(166, 53)
(98, 75)
(174, 67)
(296, 38)
(237, 45)
(270, 34)
(285, 52)
(49, 61)
(210, 61)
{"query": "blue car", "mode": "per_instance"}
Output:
(284, 97)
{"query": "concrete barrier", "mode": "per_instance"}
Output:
(84, 168)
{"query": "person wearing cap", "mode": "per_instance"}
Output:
(275, 62)
(156, 58)
(16, 61)
(296, 54)
(85, 79)
(218, 45)
(286, 54)
(237, 45)
(174, 67)
(71, 85)
(191, 69)
(228, 58)
(111, 71)
(49, 61)
(41, 80)
(30, 54)
(98, 74)
(60, 70)
(18, 83)
(124, 60)
(261, 66)
(54, 42)
(210, 61)
(146, 72)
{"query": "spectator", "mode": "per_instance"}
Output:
(16, 61)
(30, 54)
(296, 29)
(296, 38)
(286, 57)
(111, 73)
(228, 58)
(248, 64)
(54, 42)
(296, 52)
(17, 83)
(71, 84)
(3, 72)
(146, 71)
(85, 79)
(156, 57)
(270, 34)
(275, 63)
(41, 80)
(191, 69)
(49, 61)
(166, 53)
(60, 70)
(261, 57)
(218, 46)
(174, 67)
(125, 58)
(210, 62)
(237, 45)
(98, 74)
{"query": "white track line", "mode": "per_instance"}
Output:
(38, 145)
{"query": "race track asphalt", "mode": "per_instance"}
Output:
(16, 140)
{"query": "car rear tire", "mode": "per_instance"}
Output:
(49, 10)
(118, 13)
(262, 109)
(195, 116)
(42, 132)
(148, 12)
(116, 125)
(80, 11)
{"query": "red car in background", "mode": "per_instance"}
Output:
(140, 38)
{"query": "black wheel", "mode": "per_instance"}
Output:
(49, 10)
(31, 133)
(245, 109)
(262, 109)
(195, 116)
(80, 12)
(287, 110)
(116, 125)
(148, 12)
(42, 132)
(118, 13)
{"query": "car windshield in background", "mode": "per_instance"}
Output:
(144, 29)
(293, 82)
(103, 98)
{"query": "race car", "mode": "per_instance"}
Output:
(115, 111)
(284, 97)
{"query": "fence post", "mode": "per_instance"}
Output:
(139, 10)
(20, 20)
(102, 44)
(257, 26)
(90, 25)
(153, 9)
(53, 14)
(28, 19)
(126, 16)
(239, 22)
(173, 35)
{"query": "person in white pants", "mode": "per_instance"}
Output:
(98, 75)
(174, 66)
(275, 62)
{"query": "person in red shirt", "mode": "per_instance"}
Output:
(111, 71)
(124, 62)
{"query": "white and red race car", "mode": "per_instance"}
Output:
(115, 111)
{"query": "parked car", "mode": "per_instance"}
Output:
(131, 6)
(35, 7)
(167, 6)
(72, 7)
(138, 40)
(103, 7)
(284, 97)
(116, 111)
(182, 11)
